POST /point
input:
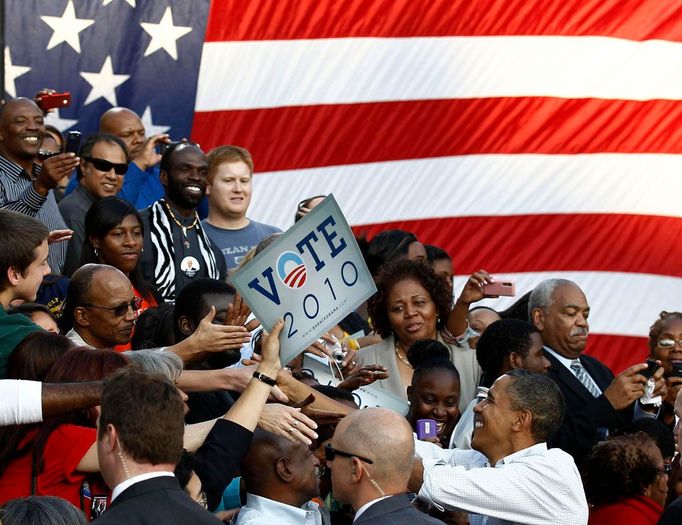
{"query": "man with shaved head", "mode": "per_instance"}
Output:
(25, 186)
(281, 478)
(371, 457)
(141, 186)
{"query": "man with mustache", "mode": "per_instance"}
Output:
(594, 397)
(177, 249)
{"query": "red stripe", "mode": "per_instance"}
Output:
(534, 243)
(300, 269)
(616, 351)
(297, 19)
(327, 135)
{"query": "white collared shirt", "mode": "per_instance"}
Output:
(567, 363)
(264, 511)
(118, 489)
(366, 506)
(534, 486)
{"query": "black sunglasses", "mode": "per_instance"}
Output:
(105, 165)
(330, 452)
(121, 309)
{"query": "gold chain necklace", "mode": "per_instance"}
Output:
(180, 225)
(402, 359)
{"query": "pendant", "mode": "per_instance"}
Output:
(186, 243)
(184, 231)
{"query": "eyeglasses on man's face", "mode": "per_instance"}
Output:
(330, 453)
(121, 309)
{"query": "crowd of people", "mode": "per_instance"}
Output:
(136, 386)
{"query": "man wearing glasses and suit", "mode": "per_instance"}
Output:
(370, 457)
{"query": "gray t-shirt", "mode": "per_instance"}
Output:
(235, 244)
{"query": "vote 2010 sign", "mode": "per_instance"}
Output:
(311, 277)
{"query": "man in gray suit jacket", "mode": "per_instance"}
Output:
(371, 457)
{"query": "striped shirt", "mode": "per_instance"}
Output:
(18, 194)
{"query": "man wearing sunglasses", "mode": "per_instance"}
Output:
(101, 171)
(371, 457)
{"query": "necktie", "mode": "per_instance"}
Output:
(583, 377)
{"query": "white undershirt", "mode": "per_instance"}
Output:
(118, 489)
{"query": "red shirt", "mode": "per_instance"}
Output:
(632, 511)
(144, 304)
(65, 448)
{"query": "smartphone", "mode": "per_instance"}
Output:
(426, 428)
(46, 154)
(505, 288)
(677, 370)
(54, 100)
(165, 146)
(73, 142)
(651, 368)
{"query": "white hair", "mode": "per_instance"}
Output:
(166, 364)
(541, 296)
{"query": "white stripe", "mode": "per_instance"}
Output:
(262, 74)
(476, 185)
(621, 303)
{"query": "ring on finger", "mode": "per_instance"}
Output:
(290, 430)
(294, 424)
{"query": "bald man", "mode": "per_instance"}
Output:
(370, 457)
(281, 478)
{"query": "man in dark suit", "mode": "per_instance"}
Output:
(371, 457)
(139, 443)
(594, 397)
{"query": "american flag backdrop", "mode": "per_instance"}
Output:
(532, 138)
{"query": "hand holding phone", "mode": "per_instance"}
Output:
(427, 428)
(496, 288)
(652, 366)
(54, 100)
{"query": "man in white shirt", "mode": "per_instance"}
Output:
(281, 477)
(529, 484)
(371, 456)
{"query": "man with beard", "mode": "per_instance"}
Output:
(178, 249)
(594, 397)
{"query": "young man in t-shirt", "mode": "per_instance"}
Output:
(230, 174)
(23, 264)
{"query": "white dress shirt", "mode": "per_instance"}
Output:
(263, 511)
(567, 363)
(20, 402)
(118, 489)
(534, 486)
(366, 506)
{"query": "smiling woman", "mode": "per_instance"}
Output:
(665, 345)
(413, 304)
(113, 236)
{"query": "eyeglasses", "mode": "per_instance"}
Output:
(121, 309)
(104, 165)
(669, 343)
(304, 203)
(330, 452)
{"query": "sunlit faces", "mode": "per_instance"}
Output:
(122, 246)
(229, 193)
(672, 333)
(186, 178)
(21, 129)
(26, 283)
(109, 289)
(564, 326)
(493, 421)
(411, 312)
(103, 183)
(129, 128)
(535, 361)
(436, 396)
(306, 467)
